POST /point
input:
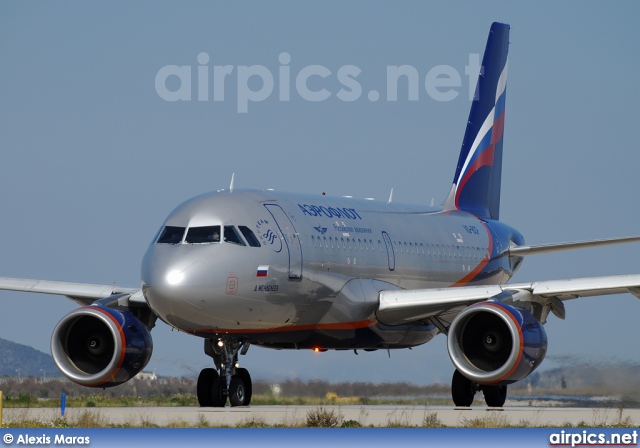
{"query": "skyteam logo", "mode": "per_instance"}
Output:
(268, 236)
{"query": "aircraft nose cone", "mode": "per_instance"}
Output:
(172, 278)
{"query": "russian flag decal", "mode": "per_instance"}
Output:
(263, 271)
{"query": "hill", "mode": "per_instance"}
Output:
(22, 360)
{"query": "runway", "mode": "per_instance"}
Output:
(377, 416)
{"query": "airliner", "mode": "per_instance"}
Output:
(240, 268)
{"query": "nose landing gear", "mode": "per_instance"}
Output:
(227, 380)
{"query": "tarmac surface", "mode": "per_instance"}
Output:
(377, 416)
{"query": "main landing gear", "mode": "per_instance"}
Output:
(227, 380)
(463, 390)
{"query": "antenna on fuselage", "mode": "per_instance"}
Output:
(390, 197)
(233, 175)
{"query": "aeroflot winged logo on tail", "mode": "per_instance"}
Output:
(482, 153)
(478, 175)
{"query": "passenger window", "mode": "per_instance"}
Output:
(171, 235)
(208, 234)
(249, 236)
(231, 236)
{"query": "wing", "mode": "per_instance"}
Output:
(404, 306)
(82, 293)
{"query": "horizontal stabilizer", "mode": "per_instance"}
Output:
(522, 251)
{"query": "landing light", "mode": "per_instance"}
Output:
(174, 277)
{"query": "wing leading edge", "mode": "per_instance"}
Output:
(82, 293)
(403, 306)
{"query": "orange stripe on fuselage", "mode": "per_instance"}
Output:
(334, 326)
(471, 275)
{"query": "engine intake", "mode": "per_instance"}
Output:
(492, 342)
(97, 346)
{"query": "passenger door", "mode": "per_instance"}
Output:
(291, 239)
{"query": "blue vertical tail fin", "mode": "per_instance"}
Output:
(476, 184)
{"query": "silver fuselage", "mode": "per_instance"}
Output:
(313, 282)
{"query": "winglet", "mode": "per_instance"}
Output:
(233, 175)
(390, 197)
(476, 184)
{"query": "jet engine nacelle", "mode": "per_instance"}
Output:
(100, 347)
(495, 343)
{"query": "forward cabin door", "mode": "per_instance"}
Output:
(290, 237)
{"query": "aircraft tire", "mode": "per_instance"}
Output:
(462, 390)
(494, 396)
(243, 374)
(204, 387)
(219, 393)
(237, 392)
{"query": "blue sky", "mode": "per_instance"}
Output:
(93, 159)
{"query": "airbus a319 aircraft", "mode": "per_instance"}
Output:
(290, 271)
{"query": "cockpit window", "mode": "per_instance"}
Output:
(249, 236)
(171, 235)
(231, 236)
(208, 234)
